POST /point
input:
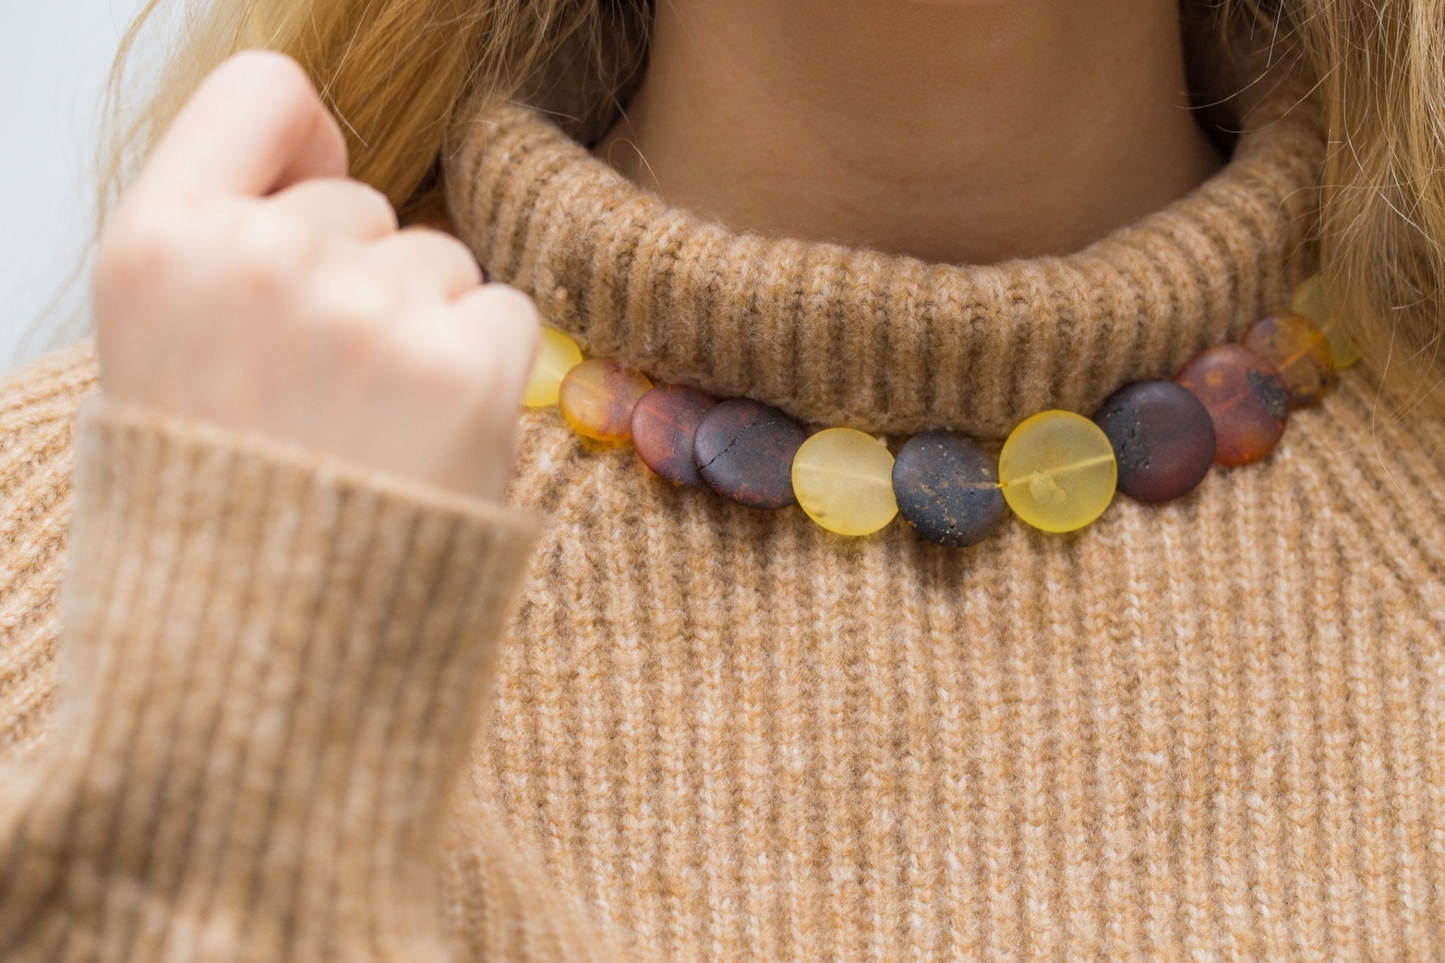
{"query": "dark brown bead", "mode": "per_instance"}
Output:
(664, 422)
(744, 450)
(1163, 439)
(947, 488)
(1299, 349)
(1246, 398)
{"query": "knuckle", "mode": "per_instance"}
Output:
(525, 321)
(456, 370)
(140, 248)
(507, 340)
(516, 306)
(464, 254)
(438, 248)
(374, 200)
(350, 303)
(434, 239)
(325, 202)
(271, 251)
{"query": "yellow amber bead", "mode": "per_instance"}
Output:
(1310, 300)
(557, 354)
(843, 478)
(1058, 471)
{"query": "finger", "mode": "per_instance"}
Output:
(508, 321)
(422, 256)
(344, 206)
(254, 125)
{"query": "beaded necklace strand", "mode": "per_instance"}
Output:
(1058, 471)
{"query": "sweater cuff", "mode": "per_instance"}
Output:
(273, 668)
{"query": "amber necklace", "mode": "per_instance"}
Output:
(1153, 440)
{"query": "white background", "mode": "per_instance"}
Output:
(54, 57)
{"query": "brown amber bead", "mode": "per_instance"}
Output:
(1299, 349)
(1246, 398)
(597, 398)
(744, 450)
(947, 488)
(1163, 439)
(664, 423)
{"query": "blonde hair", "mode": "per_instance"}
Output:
(395, 71)
(392, 71)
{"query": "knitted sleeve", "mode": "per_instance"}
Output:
(38, 407)
(271, 667)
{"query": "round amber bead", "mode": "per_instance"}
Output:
(1246, 398)
(1310, 300)
(1163, 439)
(557, 354)
(843, 479)
(947, 488)
(1058, 471)
(664, 423)
(1299, 349)
(744, 450)
(598, 395)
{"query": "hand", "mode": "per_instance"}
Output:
(245, 282)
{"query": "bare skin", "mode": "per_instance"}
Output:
(962, 132)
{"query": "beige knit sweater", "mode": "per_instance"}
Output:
(1213, 730)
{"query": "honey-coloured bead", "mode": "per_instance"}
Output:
(1246, 398)
(843, 479)
(598, 395)
(557, 354)
(1311, 301)
(1163, 439)
(947, 488)
(1058, 471)
(1299, 349)
(744, 450)
(664, 423)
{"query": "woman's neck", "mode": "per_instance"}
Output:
(955, 132)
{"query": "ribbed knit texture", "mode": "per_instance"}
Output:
(837, 335)
(274, 668)
(1212, 730)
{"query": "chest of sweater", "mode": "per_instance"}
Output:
(1211, 728)
(1208, 730)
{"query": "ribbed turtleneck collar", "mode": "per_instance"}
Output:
(843, 336)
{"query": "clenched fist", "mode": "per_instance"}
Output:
(245, 282)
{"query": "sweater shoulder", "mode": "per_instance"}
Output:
(1366, 477)
(38, 408)
(1372, 470)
